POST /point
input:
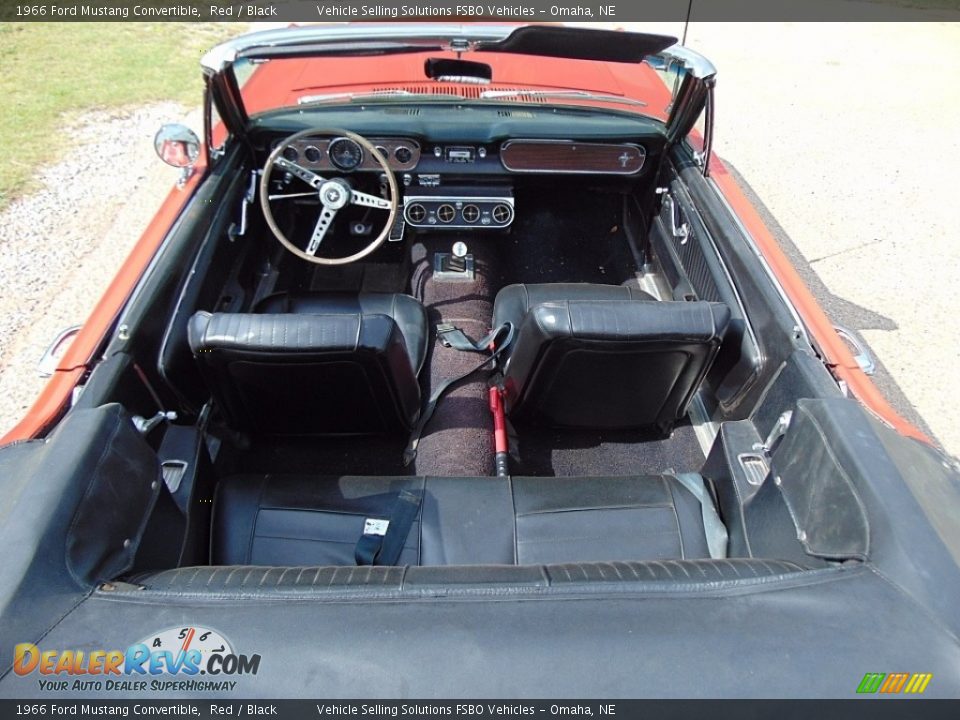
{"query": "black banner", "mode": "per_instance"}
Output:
(610, 11)
(874, 709)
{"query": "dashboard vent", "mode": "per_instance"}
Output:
(401, 111)
(470, 92)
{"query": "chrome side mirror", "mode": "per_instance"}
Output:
(178, 146)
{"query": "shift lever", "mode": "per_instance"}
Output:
(458, 258)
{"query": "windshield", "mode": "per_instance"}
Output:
(297, 82)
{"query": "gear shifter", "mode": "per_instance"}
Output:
(458, 258)
(453, 266)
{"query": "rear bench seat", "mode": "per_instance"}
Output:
(314, 521)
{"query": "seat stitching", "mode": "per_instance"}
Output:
(253, 530)
(676, 515)
(733, 567)
(303, 539)
(563, 538)
(516, 529)
(664, 566)
(559, 511)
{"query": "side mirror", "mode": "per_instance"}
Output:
(178, 146)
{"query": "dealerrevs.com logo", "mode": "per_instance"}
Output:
(180, 659)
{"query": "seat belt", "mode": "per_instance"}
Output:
(383, 540)
(455, 338)
(713, 526)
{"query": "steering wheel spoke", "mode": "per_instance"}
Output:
(368, 200)
(289, 196)
(320, 231)
(308, 176)
(332, 193)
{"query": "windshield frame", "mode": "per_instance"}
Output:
(693, 70)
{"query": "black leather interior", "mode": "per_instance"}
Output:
(409, 315)
(313, 521)
(308, 374)
(514, 301)
(600, 356)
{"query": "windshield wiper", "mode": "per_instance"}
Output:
(374, 95)
(560, 94)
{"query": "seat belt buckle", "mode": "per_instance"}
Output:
(375, 526)
(442, 330)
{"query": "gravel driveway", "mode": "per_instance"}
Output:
(61, 246)
(850, 148)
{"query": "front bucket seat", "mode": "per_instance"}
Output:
(605, 356)
(330, 368)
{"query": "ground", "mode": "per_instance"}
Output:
(848, 144)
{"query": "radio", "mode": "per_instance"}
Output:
(459, 153)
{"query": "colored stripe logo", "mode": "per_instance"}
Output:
(894, 683)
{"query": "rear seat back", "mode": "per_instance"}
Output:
(311, 521)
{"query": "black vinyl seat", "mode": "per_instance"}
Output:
(409, 315)
(340, 366)
(605, 356)
(290, 520)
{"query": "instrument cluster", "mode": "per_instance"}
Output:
(344, 155)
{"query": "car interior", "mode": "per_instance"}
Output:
(422, 385)
(318, 374)
(512, 335)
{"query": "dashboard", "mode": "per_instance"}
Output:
(452, 184)
(520, 156)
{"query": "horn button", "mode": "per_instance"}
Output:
(335, 194)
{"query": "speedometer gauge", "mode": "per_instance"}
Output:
(345, 153)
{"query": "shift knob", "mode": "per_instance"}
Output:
(460, 249)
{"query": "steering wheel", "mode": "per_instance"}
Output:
(334, 194)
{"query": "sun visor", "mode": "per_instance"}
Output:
(580, 44)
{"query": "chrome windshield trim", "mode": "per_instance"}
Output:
(694, 62)
(444, 34)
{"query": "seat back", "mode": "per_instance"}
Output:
(611, 363)
(285, 374)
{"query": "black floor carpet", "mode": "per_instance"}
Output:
(559, 238)
(458, 439)
(571, 453)
(374, 455)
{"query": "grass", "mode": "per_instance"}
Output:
(51, 73)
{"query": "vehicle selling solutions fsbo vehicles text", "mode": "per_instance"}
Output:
(465, 10)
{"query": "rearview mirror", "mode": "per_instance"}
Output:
(177, 145)
(458, 70)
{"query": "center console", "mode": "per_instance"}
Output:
(450, 207)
